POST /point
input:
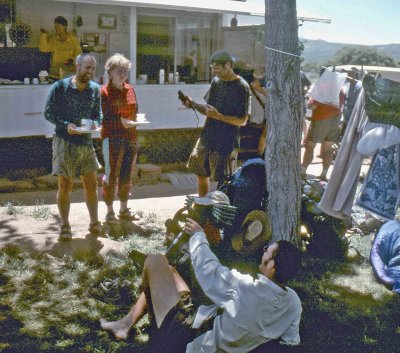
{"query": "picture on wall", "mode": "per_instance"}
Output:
(106, 21)
(7, 11)
(97, 42)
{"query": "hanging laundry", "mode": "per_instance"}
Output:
(380, 192)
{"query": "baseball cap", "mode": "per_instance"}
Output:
(213, 198)
(221, 57)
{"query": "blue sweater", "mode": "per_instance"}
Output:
(66, 104)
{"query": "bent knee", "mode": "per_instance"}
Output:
(155, 260)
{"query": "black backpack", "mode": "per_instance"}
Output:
(246, 191)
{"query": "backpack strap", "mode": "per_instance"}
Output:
(257, 97)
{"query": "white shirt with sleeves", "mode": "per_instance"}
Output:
(254, 310)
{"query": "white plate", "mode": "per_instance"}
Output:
(142, 122)
(86, 131)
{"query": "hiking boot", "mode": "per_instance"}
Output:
(127, 215)
(110, 218)
(65, 232)
(96, 228)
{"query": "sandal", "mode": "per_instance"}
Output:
(65, 232)
(127, 215)
(112, 291)
(96, 228)
(110, 218)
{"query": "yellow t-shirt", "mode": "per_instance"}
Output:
(60, 52)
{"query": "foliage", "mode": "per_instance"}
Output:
(362, 55)
(20, 33)
(41, 211)
(13, 209)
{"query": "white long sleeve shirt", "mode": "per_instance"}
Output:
(254, 310)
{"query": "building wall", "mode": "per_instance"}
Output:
(247, 44)
(41, 14)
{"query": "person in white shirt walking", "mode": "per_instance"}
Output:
(250, 311)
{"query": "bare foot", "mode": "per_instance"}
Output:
(119, 328)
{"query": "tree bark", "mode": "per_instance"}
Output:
(284, 118)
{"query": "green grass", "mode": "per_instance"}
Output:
(41, 211)
(13, 208)
(46, 304)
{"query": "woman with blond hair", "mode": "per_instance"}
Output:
(120, 145)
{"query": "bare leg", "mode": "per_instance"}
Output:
(65, 185)
(164, 284)
(308, 154)
(110, 208)
(203, 185)
(327, 156)
(124, 206)
(121, 328)
(89, 181)
(305, 129)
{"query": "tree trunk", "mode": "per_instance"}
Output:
(284, 118)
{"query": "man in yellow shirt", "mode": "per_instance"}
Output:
(64, 48)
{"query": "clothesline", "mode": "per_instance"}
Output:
(283, 52)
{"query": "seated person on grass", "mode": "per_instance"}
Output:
(247, 312)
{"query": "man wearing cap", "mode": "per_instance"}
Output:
(226, 110)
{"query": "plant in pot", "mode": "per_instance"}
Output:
(20, 33)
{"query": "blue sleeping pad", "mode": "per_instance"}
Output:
(385, 255)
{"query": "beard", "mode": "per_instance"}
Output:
(84, 78)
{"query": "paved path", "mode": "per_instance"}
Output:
(23, 230)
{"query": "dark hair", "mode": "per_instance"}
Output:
(221, 57)
(246, 73)
(287, 261)
(61, 21)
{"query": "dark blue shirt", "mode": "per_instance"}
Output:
(229, 98)
(66, 104)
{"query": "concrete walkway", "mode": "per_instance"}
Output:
(23, 230)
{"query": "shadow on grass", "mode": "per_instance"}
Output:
(340, 311)
(45, 305)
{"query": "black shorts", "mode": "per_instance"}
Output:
(176, 329)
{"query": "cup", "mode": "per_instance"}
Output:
(35, 81)
(140, 117)
(87, 124)
(26, 81)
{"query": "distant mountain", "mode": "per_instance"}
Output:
(320, 51)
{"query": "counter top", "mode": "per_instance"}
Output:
(22, 86)
(22, 108)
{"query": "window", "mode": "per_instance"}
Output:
(175, 44)
(155, 45)
(195, 44)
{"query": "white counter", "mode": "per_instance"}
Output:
(22, 107)
(21, 112)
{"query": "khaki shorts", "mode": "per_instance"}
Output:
(71, 160)
(206, 163)
(324, 130)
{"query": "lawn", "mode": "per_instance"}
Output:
(51, 304)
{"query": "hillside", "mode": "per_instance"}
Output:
(320, 51)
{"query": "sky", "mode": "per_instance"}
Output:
(353, 21)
